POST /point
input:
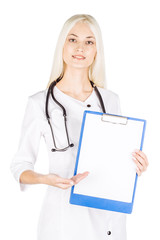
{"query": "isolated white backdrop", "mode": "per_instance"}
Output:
(131, 34)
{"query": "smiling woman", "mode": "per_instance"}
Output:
(76, 84)
(88, 35)
(79, 53)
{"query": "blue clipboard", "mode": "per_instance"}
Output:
(105, 147)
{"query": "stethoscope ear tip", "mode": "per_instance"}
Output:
(71, 145)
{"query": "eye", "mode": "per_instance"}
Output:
(90, 42)
(72, 40)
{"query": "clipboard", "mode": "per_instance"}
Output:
(105, 150)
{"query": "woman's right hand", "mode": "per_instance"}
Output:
(64, 183)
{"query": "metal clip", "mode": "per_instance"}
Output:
(114, 119)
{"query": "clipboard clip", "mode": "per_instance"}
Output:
(114, 119)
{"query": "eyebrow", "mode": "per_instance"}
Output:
(77, 36)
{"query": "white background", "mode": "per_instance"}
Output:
(131, 34)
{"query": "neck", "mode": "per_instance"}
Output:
(75, 81)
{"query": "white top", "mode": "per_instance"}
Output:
(59, 219)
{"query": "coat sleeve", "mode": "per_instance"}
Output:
(26, 155)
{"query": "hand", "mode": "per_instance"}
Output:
(140, 160)
(64, 183)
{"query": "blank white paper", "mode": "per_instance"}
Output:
(106, 153)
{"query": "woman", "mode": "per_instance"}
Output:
(78, 59)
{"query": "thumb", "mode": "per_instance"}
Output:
(66, 181)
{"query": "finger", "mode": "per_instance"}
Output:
(138, 164)
(79, 174)
(80, 177)
(85, 174)
(63, 186)
(140, 160)
(65, 181)
(137, 157)
(138, 171)
(77, 178)
(142, 154)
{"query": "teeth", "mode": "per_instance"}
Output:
(78, 57)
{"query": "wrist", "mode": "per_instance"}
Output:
(42, 178)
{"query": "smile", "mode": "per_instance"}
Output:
(79, 57)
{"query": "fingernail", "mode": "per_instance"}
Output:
(71, 183)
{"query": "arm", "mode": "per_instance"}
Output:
(31, 132)
(31, 177)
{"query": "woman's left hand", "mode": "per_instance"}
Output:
(140, 160)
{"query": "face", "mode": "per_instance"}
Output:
(80, 46)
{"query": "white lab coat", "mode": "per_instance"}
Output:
(60, 220)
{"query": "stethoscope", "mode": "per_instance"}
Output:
(50, 91)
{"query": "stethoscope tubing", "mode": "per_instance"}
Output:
(51, 92)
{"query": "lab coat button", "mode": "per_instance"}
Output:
(109, 233)
(88, 105)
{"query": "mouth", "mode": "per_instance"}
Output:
(78, 57)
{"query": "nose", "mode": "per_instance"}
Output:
(80, 47)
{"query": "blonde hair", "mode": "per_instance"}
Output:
(97, 69)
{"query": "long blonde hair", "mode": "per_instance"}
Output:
(97, 69)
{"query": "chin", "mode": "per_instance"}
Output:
(79, 65)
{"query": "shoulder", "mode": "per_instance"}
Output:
(111, 100)
(37, 101)
(108, 94)
(38, 96)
